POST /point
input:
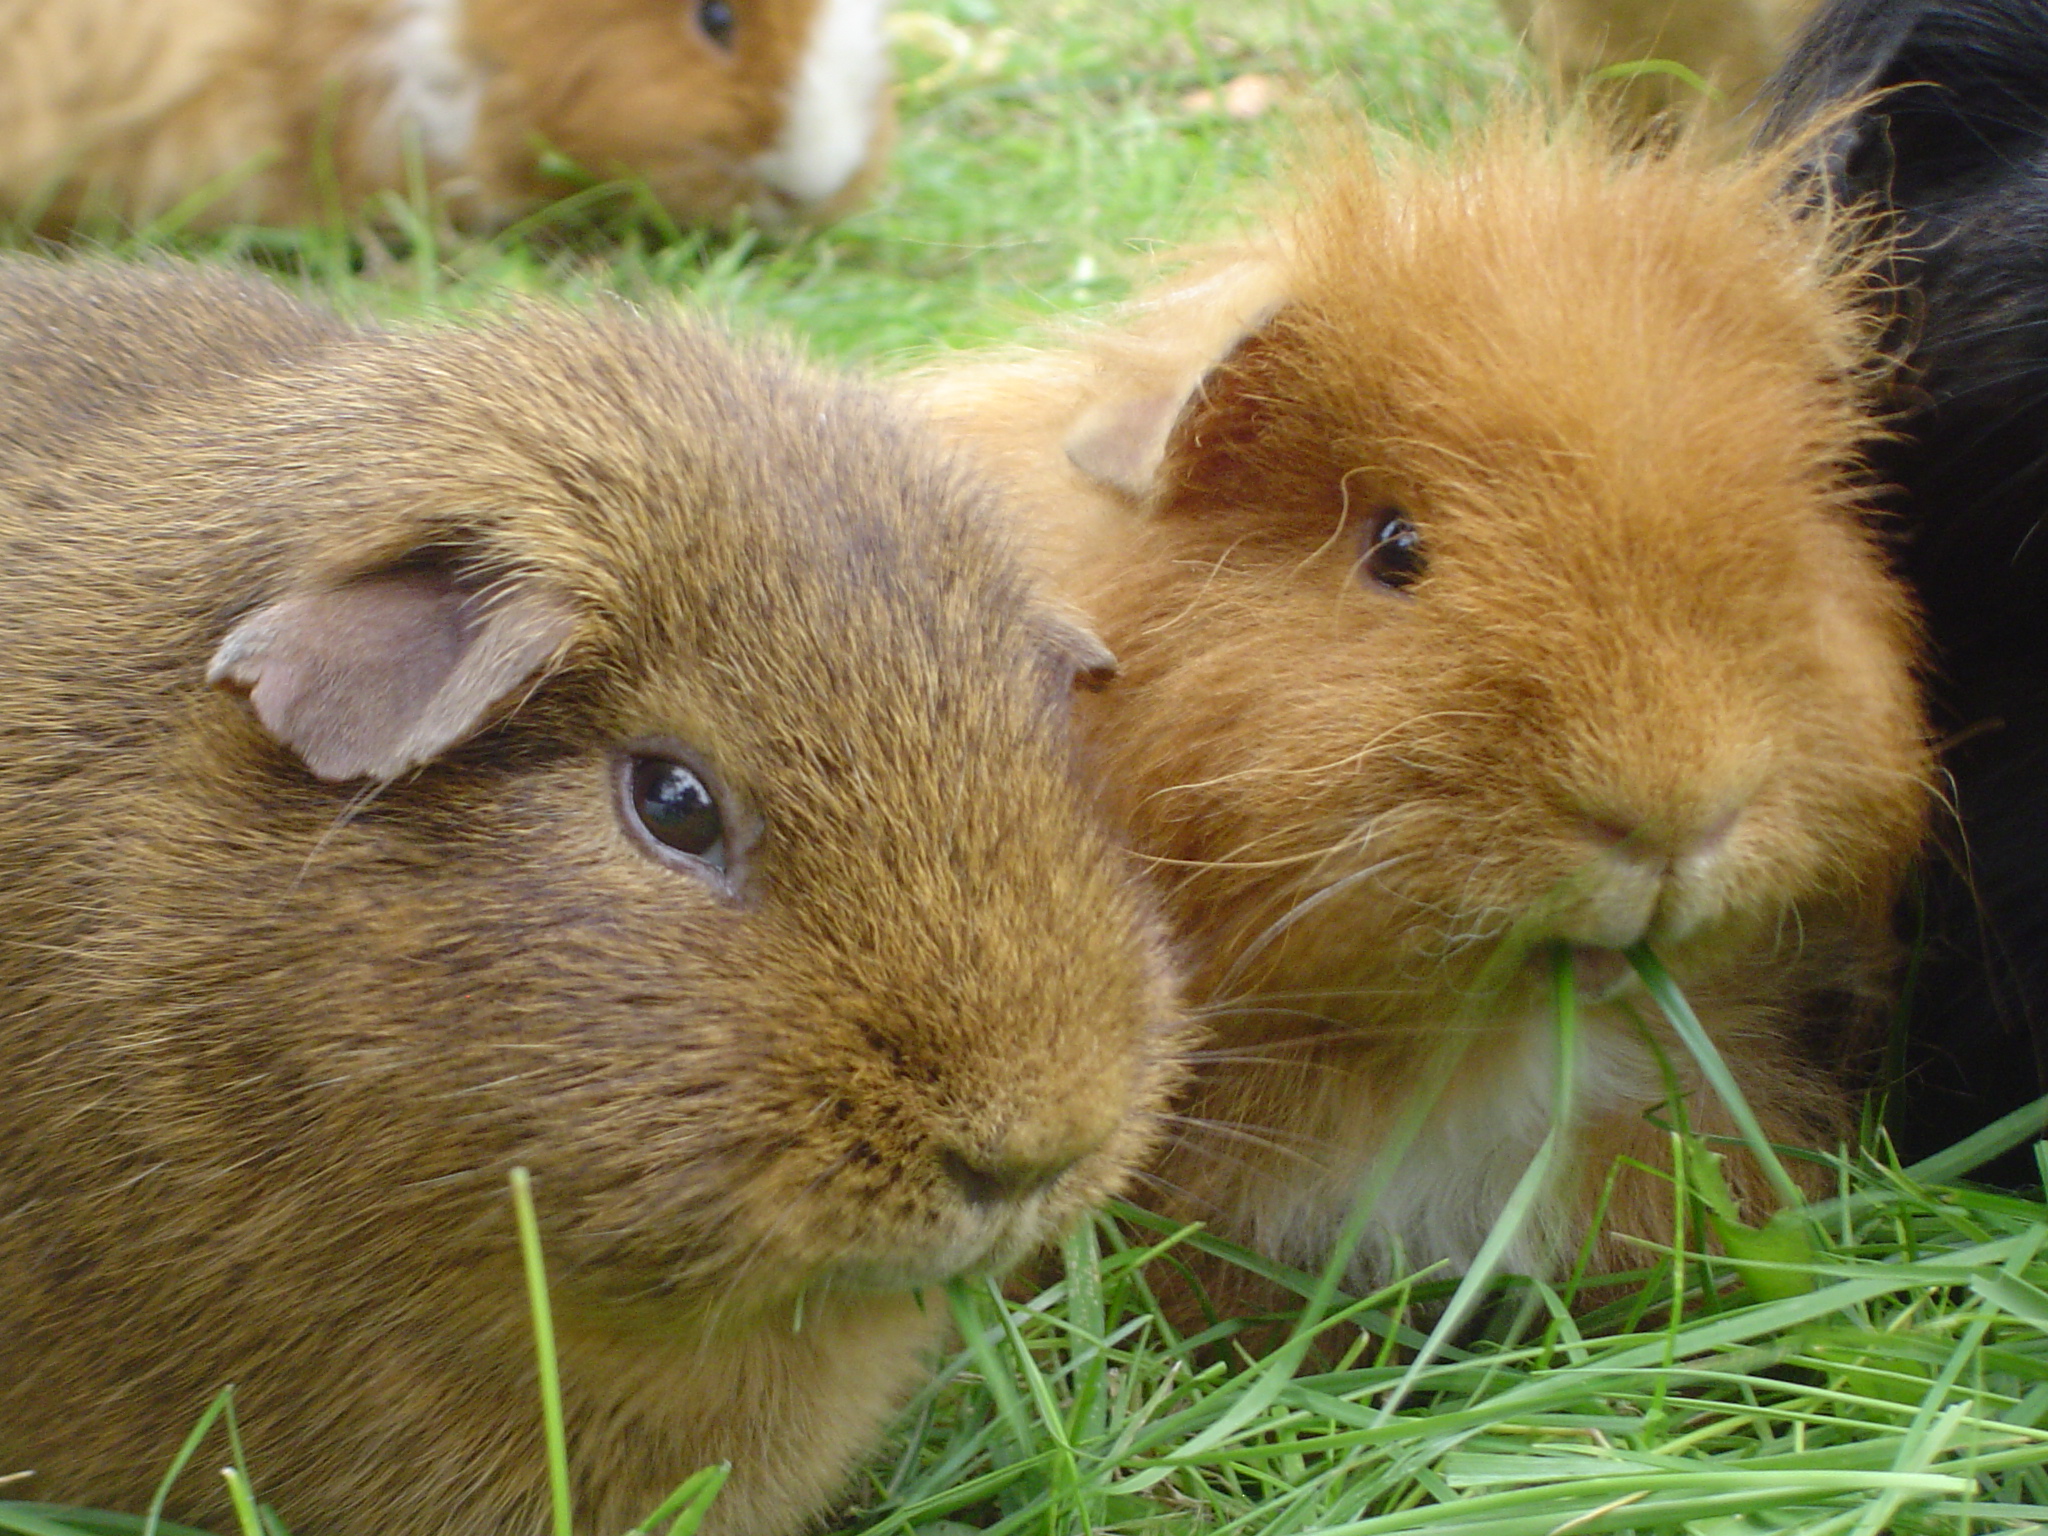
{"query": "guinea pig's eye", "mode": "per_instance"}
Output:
(715, 17)
(676, 808)
(1392, 550)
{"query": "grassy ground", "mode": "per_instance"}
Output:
(1885, 1370)
(1881, 1366)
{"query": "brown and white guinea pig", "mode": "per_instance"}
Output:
(1481, 547)
(1730, 45)
(571, 743)
(264, 111)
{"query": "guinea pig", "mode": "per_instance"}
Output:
(263, 111)
(1953, 150)
(567, 742)
(1481, 547)
(1731, 46)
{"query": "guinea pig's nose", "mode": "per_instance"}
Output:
(1659, 840)
(1647, 877)
(987, 1179)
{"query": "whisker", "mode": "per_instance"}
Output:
(1306, 908)
(1266, 1139)
(1178, 1194)
(1214, 569)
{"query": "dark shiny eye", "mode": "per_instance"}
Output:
(677, 809)
(1392, 550)
(715, 17)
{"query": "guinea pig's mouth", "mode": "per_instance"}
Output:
(989, 1247)
(1519, 973)
(1598, 975)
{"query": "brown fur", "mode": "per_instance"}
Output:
(273, 1038)
(1731, 45)
(258, 110)
(1654, 681)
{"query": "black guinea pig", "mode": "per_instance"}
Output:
(1953, 147)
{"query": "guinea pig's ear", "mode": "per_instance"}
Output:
(1078, 656)
(1244, 438)
(1120, 442)
(378, 674)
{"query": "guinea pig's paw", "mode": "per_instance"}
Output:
(380, 673)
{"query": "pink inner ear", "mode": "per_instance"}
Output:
(1119, 443)
(372, 678)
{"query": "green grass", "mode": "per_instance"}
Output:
(1880, 1365)
(1902, 1388)
(1874, 1364)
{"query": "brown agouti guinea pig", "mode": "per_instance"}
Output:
(655, 772)
(219, 111)
(1481, 547)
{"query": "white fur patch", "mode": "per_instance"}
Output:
(832, 105)
(434, 91)
(1440, 1194)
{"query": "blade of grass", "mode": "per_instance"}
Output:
(2001, 1135)
(1528, 1190)
(975, 1331)
(41, 1519)
(25, 1520)
(223, 1403)
(544, 1352)
(1696, 1040)
(691, 1502)
(244, 1502)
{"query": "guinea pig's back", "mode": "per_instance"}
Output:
(86, 344)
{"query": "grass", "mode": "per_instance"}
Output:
(1878, 1365)
(1900, 1389)
(1871, 1365)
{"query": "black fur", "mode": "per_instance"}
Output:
(1957, 147)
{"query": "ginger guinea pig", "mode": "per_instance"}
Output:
(1481, 547)
(261, 111)
(570, 743)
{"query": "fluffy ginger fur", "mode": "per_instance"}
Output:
(1650, 683)
(259, 110)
